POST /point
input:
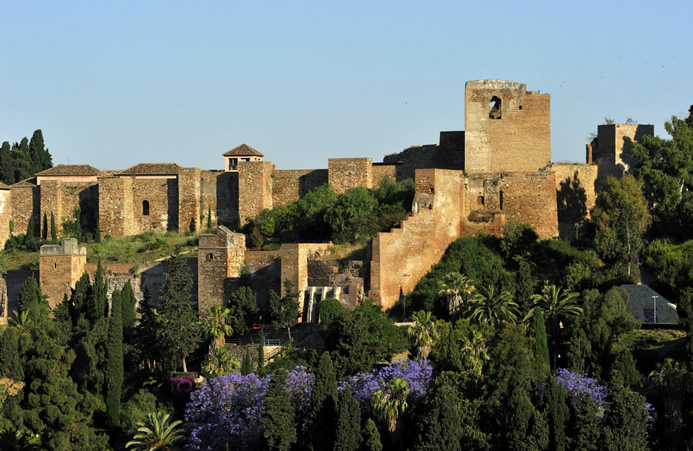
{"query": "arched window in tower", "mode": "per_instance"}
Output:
(495, 108)
(145, 208)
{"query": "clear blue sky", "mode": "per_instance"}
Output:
(113, 84)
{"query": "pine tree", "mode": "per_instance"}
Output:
(246, 364)
(179, 334)
(44, 230)
(348, 432)
(278, 420)
(371, 437)
(54, 234)
(114, 362)
(323, 405)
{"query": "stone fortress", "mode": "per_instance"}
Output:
(498, 169)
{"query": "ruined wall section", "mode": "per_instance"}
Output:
(25, 205)
(346, 173)
(188, 208)
(60, 267)
(116, 206)
(290, 185)
(506, 127)
(403, 255)
(220, 257)
(254, 188)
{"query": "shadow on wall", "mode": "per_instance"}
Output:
(227, 200)
(572, 201)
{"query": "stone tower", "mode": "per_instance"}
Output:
(220, 257)
(61, 266)
(507, 128)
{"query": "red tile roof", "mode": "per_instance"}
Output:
(243, 150)
(71, 169)
(152, 169)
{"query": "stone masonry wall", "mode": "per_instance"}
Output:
(61, 198)
(220, 256)
(116, 206)
(403, 255)
(254, 188)
(575, 193)
(25, 204)
(345, 173)
(383, 170)
(519, 140)
(189, 200)
(613, 152)
(227, 198)
(208, 196)
(162, 195)
(288, 186)
(5, 211)
(60, 267)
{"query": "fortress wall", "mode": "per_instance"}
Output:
(290, 185)
(220, 256)
(189, 200)
(575, 191)
(162, 195)
(531, 197)
(254, 188)
(614, 143)
(115, 206)
(25, 204)
(379, 171)
(62, 197)
(208, 196)
(403, 255)
(519, 140)
(227, 198)
(345, 173)
(5, 211)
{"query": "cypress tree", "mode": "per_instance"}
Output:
(247, 364)
(261, 352)
(625, 364)
(587, 427)
(44, 230)
(6, 167)
(323, 405)
(97, 305)
(371, 437)
(539, 344)
(450, 359)
(557, 414)
(29, 237)
(10, 364)
(97, 237)
(114, 362)
(128, 305)
(442, 425)
(278, 420)
(348, 433)
(54, 234)
(520, 408)
(626, 418)
(209, 216)
(38, 154)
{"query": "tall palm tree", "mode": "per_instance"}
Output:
(494, 306)
(557, 304)
(456, 288)
(157, 433)
(423, 332)
(219, 361)
(390, 403)
(21, 321)
(474, 350)
(216, 325)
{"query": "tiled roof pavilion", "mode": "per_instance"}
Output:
(243, 150)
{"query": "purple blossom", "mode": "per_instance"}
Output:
(579, 385)
(416, 373)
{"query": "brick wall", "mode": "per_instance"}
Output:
(613, 151)
(254, 188)
(345, 173)
(531, 197)
(25, 204)
(288, 186)
(520, 140)
(403, 255)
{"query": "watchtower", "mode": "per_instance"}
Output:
(60, 267)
